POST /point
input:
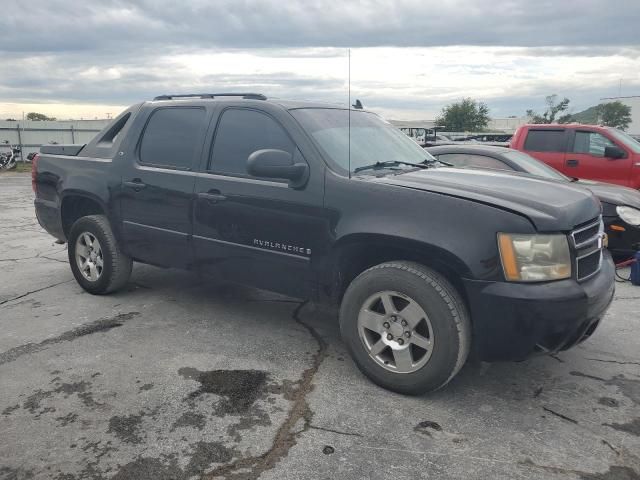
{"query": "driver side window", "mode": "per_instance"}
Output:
(241, 132)
(591, 143)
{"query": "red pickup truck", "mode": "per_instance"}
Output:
(583, 151)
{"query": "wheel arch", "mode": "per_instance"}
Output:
(77, 204)
(355, 253)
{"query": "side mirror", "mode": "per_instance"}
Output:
(271, 163)
(614, 152)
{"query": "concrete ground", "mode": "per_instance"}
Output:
(177, 378)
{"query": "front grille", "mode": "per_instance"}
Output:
(589, 265)
(587, 242)
(584, 235)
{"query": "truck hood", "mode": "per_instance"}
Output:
(614, 194)
(550, 206)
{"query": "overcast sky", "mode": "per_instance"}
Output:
(76, 59)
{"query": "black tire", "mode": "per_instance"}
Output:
(116, 268)
(442, 304)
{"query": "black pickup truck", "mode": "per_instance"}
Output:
(428, 263)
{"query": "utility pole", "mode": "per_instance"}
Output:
(20, 138)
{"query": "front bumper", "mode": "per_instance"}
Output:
(512, 321)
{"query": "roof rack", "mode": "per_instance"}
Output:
(247, 96)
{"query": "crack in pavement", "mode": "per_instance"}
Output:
(608, 444)
(54, 259)
(632, 427)
(613, 361)
(11, 227)
(560, 415)
(615, 472)
(32, 258)
(34, 291)
(339, 432)
(250, 468)
(68, 336)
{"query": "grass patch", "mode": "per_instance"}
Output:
(20, 167)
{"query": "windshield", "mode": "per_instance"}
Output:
(625, 138)
(372, 139)
(533, 166)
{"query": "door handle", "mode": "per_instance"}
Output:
(136, 184)
(212, 196)
(572, 163)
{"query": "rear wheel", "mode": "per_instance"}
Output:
(96, 261)
(406, 327)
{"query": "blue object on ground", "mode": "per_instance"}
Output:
(635, 270)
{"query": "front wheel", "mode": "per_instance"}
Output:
(406, 327)
(96, 261)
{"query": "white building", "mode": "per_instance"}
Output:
(634, 103)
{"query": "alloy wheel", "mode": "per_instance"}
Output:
(395, 331)
(89, 256)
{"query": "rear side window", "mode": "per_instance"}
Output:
(473, 160)
(241, 132)
(171, 137)
(114, 130)
(545, 141)
(591, 143)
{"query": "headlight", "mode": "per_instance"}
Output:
(629, 214)
(534, 258)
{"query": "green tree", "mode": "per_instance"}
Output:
(554, 107)
(614, 114)
(38, 116)
(467, 115)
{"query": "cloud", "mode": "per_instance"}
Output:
(69, 78)
(399, 82)
(62, 25)
(409, 57)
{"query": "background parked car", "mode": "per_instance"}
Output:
(425, 137)
(620, 205)
(585, 151)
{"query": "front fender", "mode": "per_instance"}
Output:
(458, 232)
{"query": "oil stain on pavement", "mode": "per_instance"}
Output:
(203, 455)
(101, 325)
(239, 389)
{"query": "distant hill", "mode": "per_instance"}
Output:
(588, 116)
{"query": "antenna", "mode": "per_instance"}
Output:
(349, 107)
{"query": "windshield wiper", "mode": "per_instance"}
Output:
(429, 161)
(390, 163)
